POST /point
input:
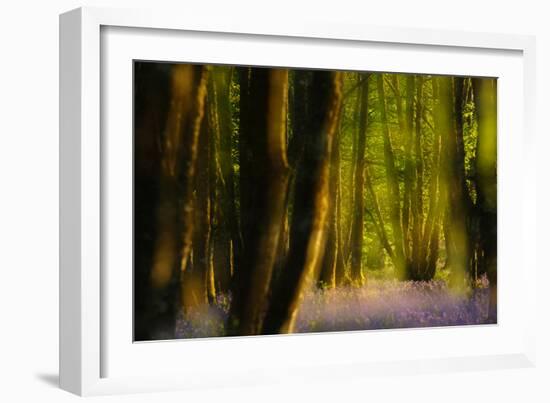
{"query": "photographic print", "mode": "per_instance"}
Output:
(283, 200)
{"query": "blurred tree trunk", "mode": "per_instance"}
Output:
(401, 120)
(467, 202)
(308, 235)
(456, 231)
(239, 279)
(226, 234)
(174, 209)
(298, 109)
(357, 223)
(299, 115)
(340, 267)
(263, 178)
(418, 263)
(485, 98)
(152, 95)
(391, 183)
(350, 216)
(196, 283)
(409, 173)
(430, 236)
(332, 269)
(377, 219)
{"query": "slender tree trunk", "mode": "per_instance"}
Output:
(195, 291)
(298, 114)
(391, 183)
(226, 234)
(409, 168)
(357, 224)
(466, 201)
(339, 269)
(240, 277)
(332, 271)
(350, 216)
(333, 257)
(418, 254)
(430, 237)
(310, 204)
(401, 120)
(264, 179)
(377, 218)
(433, 245)
(327, 278)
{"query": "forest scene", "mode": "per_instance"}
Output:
(283, 200)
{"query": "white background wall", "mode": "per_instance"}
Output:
(29, 199)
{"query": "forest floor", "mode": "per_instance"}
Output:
(381, 304)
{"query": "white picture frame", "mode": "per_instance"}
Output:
(94, 328)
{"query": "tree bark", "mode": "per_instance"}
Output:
(467, 202)
(409, 168)
(327, 278)
(299, 82)
(377, 219)
(225, 226)
(349, 217)
(264, 178)
(310, 204)
(357, 224)
(195, 285)
(174, 210)
(456, 233)
(485, 98)
(333, 269)
(339, 269)
(418, 254)
(430, 236)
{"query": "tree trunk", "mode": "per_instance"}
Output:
(467, 202)
(173, 213)
(418, 261)
(264, 179)
(339, 269)
(430, 236)
(409, 168)
(485, 98)
(377, 218)
(350, 216)
(357, 224)
(310, 204)
(391, 183)
(456, 234)
(332, 270)
(327, 278)
(226, 234)
(298, 112)
(154, 308)
(195, 284)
